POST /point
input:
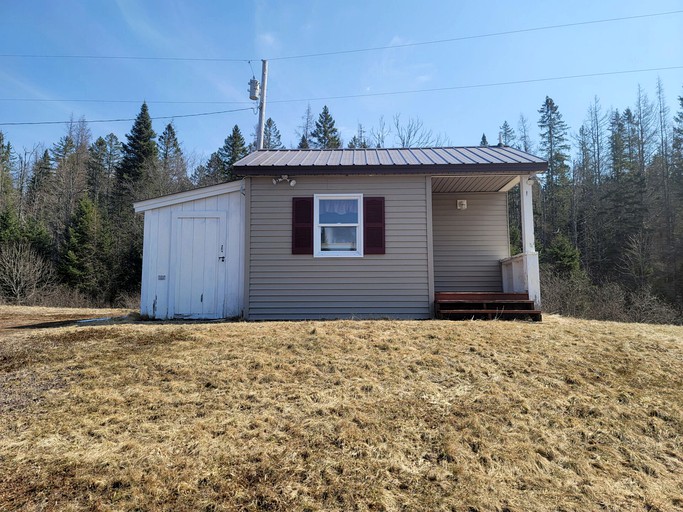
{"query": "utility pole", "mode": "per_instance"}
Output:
(262, 104)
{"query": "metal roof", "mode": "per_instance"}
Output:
(448, 160)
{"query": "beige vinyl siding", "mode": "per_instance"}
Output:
(468, 244)
(287, 286)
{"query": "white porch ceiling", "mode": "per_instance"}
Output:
(445, 184)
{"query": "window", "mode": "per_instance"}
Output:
(338, 226)
(351, 225)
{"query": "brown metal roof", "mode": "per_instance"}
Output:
(442, 160)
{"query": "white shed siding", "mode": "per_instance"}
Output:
(158, 295)
(287, 286)
(469, 244)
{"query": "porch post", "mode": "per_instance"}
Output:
(533, 282)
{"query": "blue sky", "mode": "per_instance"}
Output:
(271, 29)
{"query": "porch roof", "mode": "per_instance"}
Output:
(438, 161)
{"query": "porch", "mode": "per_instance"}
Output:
(474, 274)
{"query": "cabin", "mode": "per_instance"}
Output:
(347, 233)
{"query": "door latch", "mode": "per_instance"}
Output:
(222, 258)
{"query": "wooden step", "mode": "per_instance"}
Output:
(479, 296)
(485, 305)
(528, 304)
(533, 314)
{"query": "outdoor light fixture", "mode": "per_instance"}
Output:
(461, 204)
(286, 178)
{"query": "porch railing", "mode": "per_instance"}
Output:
(520, 275)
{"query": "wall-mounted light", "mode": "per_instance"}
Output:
(461, 204)
(286, 178)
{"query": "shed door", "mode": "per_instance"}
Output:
(199, 265)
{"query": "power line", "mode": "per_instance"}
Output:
(139, 102)
(118, 57)
(477, 36)
(342, 52)
(478, 86)
(128, 119)
(346, 96)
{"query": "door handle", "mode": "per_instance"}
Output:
(222, 258)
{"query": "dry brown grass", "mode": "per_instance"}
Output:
(437, 415)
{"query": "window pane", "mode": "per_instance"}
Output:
(337, 239)
(338, 211)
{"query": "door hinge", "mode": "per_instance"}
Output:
(201, 299)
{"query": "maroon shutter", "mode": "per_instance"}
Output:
(373, 225)
(302, 225)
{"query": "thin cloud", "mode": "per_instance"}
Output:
(134, 17)
(33, 91)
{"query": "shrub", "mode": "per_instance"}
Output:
(574, 294)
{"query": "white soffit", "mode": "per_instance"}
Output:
(447, 184)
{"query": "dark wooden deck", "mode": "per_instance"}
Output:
(485, 306)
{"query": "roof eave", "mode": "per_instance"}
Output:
(357, 170)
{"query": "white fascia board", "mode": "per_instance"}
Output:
(189, 195)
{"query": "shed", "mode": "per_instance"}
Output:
(346, 233)
(193, 253)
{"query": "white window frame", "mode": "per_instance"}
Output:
(317, 250)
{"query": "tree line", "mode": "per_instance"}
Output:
(609, 210)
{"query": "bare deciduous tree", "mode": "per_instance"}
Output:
(23, 273)
(637, 259)
(380, 135)
(413, 134)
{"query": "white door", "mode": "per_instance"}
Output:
(199, 264)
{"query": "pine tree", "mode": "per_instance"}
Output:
(172, 163)
(303, 143)
(70, 181)
(483, 142)
(507, 134)
(39, 185)
(234, 148)
(113, 155)
(140, 151)
(62, 150)
(523, 128)
(139, 161)
(556, 188)
(562, 255)
(677, 142)
(622, 209)
(81, 262)
(325, 135)
(210, 173)
(677, 180)
(10, 228)
(6, 163)
(271, 135)
(97, 171)
(359, 140)
(306, 128)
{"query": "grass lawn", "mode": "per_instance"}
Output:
(345, 415)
